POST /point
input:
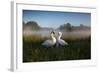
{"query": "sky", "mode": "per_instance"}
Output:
(53, 19)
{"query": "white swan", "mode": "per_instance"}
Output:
(49, 43)
(60, 41)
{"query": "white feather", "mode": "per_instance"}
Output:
(60, 41)
(51, 42)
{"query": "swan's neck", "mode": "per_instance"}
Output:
(59, 37)
(53, 39)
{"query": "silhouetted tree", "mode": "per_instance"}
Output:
(31, 25)
(66, 26)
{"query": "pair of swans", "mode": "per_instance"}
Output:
(55, 41)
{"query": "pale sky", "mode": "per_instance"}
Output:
(54, 19)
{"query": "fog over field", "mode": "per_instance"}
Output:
(66, 34)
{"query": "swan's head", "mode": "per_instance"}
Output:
(59, 33)
(52, 33)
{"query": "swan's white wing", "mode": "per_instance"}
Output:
(62, 42)
(48, 43)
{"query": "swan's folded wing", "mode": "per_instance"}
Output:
(48, 43)
(62, 42)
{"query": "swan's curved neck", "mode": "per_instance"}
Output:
(59, 36)
(53, 38)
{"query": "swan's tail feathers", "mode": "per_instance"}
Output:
(47, 43)
(62, 42)
(66, 43)
(44, 44)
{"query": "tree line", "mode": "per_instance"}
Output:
(32, 25)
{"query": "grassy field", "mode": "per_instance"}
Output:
(78, 49)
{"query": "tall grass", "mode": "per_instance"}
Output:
(77, 49)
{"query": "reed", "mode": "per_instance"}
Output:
(78, 49)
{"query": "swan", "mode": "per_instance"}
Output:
(60, 41)
(50, 43)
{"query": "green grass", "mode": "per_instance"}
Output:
(77, 49)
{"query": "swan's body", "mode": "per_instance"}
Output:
(60, 41)
(49, 43)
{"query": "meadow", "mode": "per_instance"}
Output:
(33, 51)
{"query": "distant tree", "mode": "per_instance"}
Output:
(66, 26)
(84, 27)
(31, 25)
(61, 27)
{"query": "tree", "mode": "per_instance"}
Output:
(66, 26)
(31, 25)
